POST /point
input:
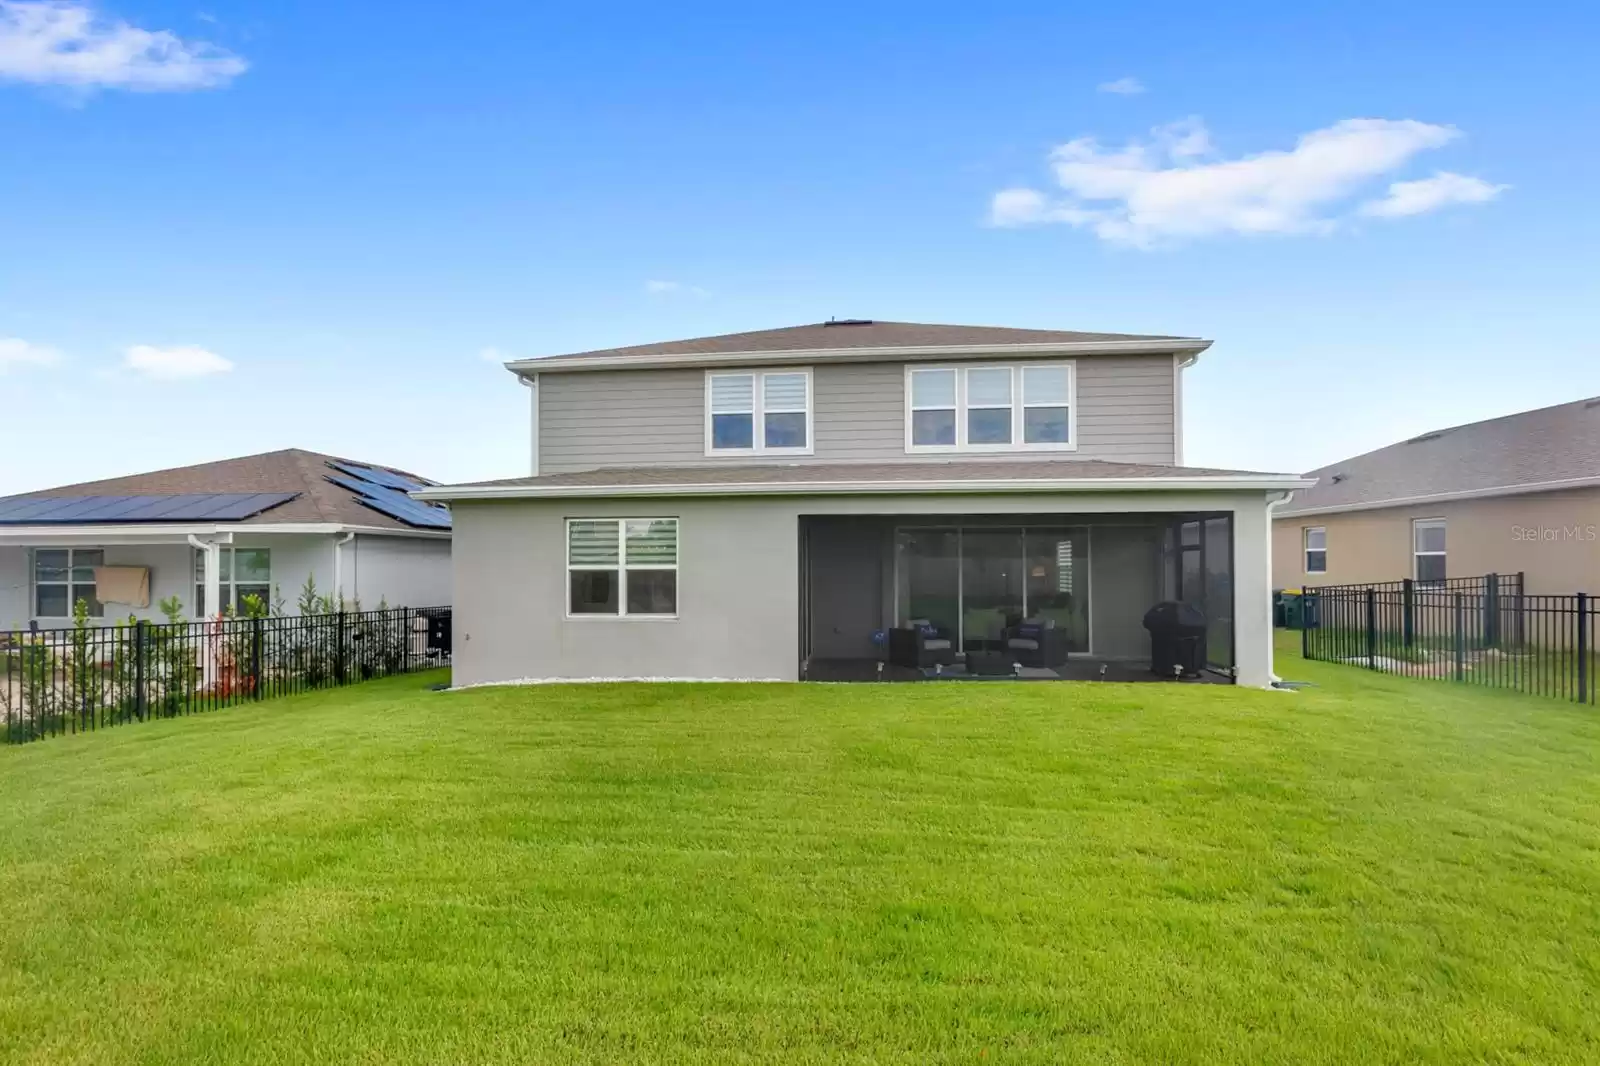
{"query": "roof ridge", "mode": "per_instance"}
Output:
(314, 484)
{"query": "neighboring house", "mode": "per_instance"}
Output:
(214, 533)
(1519, 493)
(762, 505)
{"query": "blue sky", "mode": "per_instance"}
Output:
(233, 227)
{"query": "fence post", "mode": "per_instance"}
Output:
(1408, 611)
(1305, 630)
(1491, 611)
(1522, 609)
(339, 650)
(141, 702)
(255, 657)
(1583, 647)
(1461, 637)
(1372, 629)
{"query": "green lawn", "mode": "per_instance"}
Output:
(1372, 870)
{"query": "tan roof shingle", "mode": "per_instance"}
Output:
(289, 470)
(1540, 447)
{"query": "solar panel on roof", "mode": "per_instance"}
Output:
(388, 499)
(170, 507)
(389, 479)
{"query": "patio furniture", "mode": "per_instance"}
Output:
(991, 664)
(1036, 642)
(921, 644)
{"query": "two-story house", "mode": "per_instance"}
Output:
(774, 504)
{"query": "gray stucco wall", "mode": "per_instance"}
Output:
(1126, 412)
(738, 581)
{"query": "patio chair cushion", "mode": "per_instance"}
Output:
(938, 644)
(1024, 643)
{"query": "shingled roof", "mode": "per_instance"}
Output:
(818, 478)
(1550, 447)
(856, 334)
(290, 470)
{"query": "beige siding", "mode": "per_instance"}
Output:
(1551, 537)
(657, 417)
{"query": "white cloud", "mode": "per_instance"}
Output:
(1430, 194)
(669, 288)
(494, 355)
(63, 42)
(172, 364)
(1172, 186)
(1122, 87)
(17, 352)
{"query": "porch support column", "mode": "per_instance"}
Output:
(1252, 594)
(213, 578)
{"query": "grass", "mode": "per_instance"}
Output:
(1372, 870)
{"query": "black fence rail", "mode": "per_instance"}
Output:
(56, 681)
(1481, 630)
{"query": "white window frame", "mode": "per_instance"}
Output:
(1417, 525)
(68, 584)
(226, 589)
(758, 412)
(1018, 405)
(1306, 549)
(622, 568)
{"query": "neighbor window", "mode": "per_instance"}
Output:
(758, 412)
(242, 572)
(623, 567)
(990, 408)
(62, 577)
(1427, 549)
(1316, 538)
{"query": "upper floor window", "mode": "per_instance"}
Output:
(1316, 547)
(62, 577)
(990, 408)
(758, 413)
(1427, 549)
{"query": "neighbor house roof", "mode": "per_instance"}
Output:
(859, 339)
(1026, 475)
(1534, 451)
(294, 471)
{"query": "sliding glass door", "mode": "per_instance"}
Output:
(928, 578)
(991, 586)
(973, 582)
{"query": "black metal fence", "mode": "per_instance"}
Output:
(1479, 630)
(55, 681)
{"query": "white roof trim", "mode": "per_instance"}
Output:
(155, 533)
(1234, 482)
(913, 353)
(1445, 497)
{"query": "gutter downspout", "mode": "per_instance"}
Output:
(532, 383)
(1180, 363)
(338, 567)
(1274, 501)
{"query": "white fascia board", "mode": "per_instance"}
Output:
(1445, 497)
(179, 533)
(870, 488)
(913, 353)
